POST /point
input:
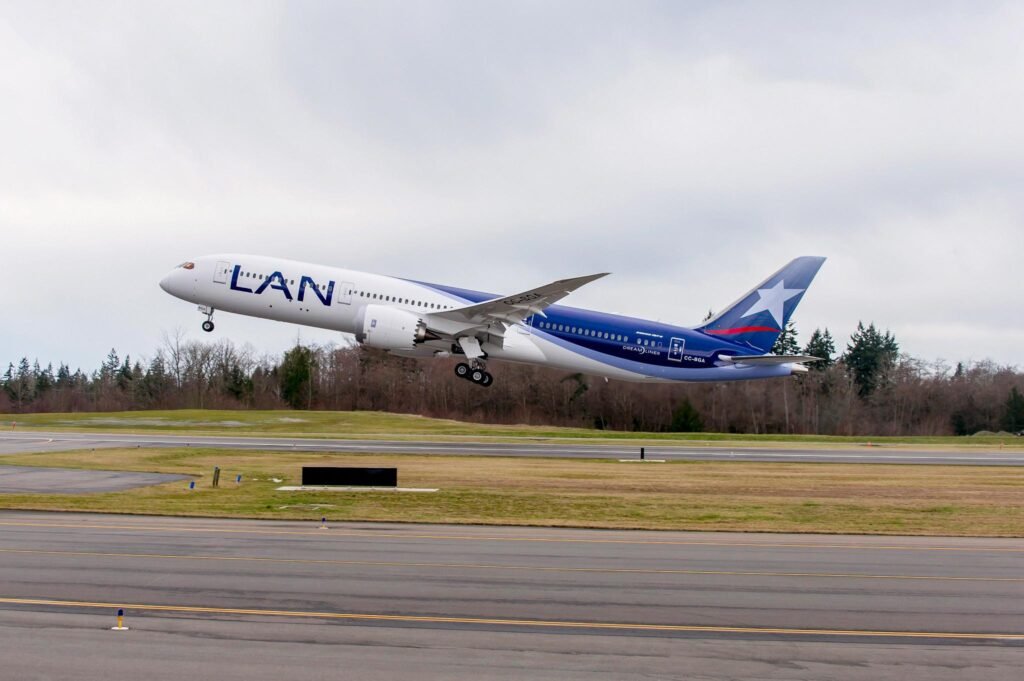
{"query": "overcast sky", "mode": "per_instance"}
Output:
(688, 148)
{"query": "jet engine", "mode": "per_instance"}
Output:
(390, 329)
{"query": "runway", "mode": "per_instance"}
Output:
(269, 600)
(23, 442)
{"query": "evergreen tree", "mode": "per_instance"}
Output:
(296, 376)
(786, 343)
(44, 378)
(236, 383)
(821, 345)
(1013, 412)
(124, 374)
(20, 385)
(686, 419)
(9, 382)
(155, 382)
(63, 376)
(870, 355)
(110, 366)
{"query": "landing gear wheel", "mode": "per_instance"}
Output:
(477, 376)
(462, 370)
(207, 326)
(487, 380)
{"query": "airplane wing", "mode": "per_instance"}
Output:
(472, 324)
(762, 360)
(515, 308)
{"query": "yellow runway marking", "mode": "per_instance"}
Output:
(490, 566)
(549, 540)
(493, 621)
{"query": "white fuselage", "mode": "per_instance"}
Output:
(337, 299)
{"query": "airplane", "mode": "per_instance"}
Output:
(417, 319)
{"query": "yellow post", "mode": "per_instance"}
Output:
(120, 621)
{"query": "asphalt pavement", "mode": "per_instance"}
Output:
(232, 599)
(13, 442)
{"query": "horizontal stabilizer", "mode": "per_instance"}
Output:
(768, 360)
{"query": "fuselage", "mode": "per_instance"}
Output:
(573, 339)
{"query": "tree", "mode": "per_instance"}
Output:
(110, 367)
(296, 377)
(1013, 411)
(870, 356)
(44, 378)
(9, 382)
(124, 375)
(786, 343)
(22, 389)
(821, 345)
(686, 419)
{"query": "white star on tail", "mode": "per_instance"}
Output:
(773, 300)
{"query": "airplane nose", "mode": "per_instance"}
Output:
(165, 283)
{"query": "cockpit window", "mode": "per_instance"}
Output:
(187, 265)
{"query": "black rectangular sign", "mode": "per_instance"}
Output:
(347, 476)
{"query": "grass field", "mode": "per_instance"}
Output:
(379, 424)
(873, 499)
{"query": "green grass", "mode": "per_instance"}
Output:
(734, 496)
(364, 424)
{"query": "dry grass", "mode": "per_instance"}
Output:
(848, 498)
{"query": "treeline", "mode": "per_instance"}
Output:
(867, 388)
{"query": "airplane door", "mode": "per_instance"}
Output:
(220, 275)
(344, 296)
(675, 349)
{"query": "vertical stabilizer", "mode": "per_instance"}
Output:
(757, 319)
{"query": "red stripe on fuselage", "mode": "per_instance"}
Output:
(742, 329)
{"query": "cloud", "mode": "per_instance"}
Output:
(689, 149)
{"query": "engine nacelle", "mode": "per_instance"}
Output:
(390, 329)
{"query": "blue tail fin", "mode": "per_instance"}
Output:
(757, 319)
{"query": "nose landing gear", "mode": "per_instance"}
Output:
(476, 374)
(208, 324)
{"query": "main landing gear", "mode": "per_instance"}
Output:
(208, 324)
(477, 374)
